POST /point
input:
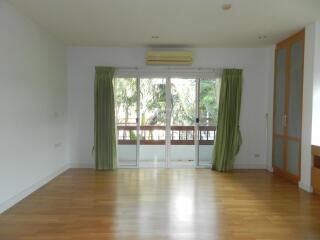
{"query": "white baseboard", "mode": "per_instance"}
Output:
(82, 165)
(127, 167)
(270, 169)
(20, 196)
(305, 187)
(237, 166)
(250, 166)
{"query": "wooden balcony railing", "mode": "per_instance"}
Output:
(155, 135)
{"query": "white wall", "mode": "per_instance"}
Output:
(32, 105)
(269, 117)
(256, 65)
(305, 181)
(316, 88)
(311, 102)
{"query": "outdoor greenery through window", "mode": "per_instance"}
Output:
(126, 108)
(208, 102)
(153, 110)
(153, 101)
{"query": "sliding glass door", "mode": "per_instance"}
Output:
(152, 122)
(208, 97)
(126, 107)
(166, 121)
(182, 124)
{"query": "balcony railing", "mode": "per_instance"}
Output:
(155, 135)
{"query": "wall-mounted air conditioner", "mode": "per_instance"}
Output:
(168, 58)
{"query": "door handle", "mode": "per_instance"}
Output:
(284, 120)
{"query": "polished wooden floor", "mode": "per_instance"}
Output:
(164, 204)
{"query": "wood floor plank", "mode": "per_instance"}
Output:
(164, 204)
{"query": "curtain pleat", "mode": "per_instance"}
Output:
(228, 139)
(104, 124)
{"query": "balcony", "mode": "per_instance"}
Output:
(155, 135)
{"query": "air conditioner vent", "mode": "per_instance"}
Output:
(168, 58)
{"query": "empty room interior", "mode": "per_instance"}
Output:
(172, 119)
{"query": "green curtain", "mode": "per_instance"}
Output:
(104, 122)
(228, 138)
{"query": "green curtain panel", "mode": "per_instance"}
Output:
(228, 138)
(104, 122)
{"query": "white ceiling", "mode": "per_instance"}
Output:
(194, 23)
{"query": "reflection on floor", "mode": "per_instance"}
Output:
(164, 204)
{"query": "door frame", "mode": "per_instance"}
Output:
(285, 44)
(167, 76)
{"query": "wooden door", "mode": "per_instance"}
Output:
(288, 107)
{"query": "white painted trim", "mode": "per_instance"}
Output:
(20, 196)
(139, 121)
(182, 166)
(269, 114)
(308, 79)
(152, 165)
(250, 166)
(270, 169)
(204, 167)
(168, 121)
(196, 125)
(127, 167)
(305, 187)
(82, 165)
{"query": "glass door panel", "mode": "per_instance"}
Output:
(208, 113)
(182, 130)
(278, 152)
(295, 108)
(280, 89)
(295, 93)
(293, 153)
(126, 114)
(152, 122)
(279, 112)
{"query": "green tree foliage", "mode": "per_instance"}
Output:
(153, 102)
(208, 102)
(183, 102)
(125, 100)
